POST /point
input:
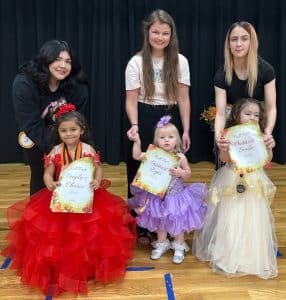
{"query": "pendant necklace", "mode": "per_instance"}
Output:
(240, 188)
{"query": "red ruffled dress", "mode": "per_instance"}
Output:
(61, 251)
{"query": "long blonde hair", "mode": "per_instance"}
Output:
(252, 60)
(170, 67)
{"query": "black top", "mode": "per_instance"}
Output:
(29, 106)
(238, 88)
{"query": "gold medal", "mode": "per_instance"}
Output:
(240, 188)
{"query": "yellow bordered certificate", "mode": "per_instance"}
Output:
(74, 194)
(153, 174)
(247, 149)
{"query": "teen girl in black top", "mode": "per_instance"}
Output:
(52, 77)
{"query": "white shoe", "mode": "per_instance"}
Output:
(179, 251)
(160, 249)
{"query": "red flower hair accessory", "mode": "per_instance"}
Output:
(63, 109)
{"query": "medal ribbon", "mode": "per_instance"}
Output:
(67, 156)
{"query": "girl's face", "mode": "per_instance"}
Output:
(250, 112)
(159, 36)
(239, 42)
(166, 139)
(70, 132)
(61, 67)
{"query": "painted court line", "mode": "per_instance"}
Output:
(6, 263)
(169, 286)
(139, 268)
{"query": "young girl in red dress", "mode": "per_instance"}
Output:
(58, 252)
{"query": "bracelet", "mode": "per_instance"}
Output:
(134, 124)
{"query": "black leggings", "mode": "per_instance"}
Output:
(34, 158)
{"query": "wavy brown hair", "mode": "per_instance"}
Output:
(234, 118)
(252, 60)
(170, 67)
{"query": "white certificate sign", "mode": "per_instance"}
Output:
(74, 194)
(153, 174)
(247, 149)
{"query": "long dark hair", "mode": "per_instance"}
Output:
(38, 68)
(234, 118)
(171, 61)
(80, 121)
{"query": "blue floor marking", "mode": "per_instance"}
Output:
(6, 263)
(139, 268)
(169, 287)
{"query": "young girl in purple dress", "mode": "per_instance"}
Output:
(182, 209)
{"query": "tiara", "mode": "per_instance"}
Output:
(163, 121)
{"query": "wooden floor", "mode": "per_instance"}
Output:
(192, 280)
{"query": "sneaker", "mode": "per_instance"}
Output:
(160, 249)
(179, 251)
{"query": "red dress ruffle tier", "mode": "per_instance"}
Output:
(61, 251)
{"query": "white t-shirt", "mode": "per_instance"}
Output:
(134, 78)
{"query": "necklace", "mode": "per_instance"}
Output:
(240, 188)
(68, 156)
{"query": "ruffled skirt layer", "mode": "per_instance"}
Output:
(182, 211)
(61, 251)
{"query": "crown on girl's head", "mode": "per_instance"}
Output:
(64, 108)
(163, 121)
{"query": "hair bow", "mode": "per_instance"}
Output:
(163, 121)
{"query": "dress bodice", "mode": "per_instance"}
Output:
(176, 185)
(56, 158)
(226, 179)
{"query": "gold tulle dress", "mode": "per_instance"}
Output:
(238, 237)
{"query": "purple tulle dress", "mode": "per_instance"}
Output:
(182, 210)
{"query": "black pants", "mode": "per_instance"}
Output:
(34, 158)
